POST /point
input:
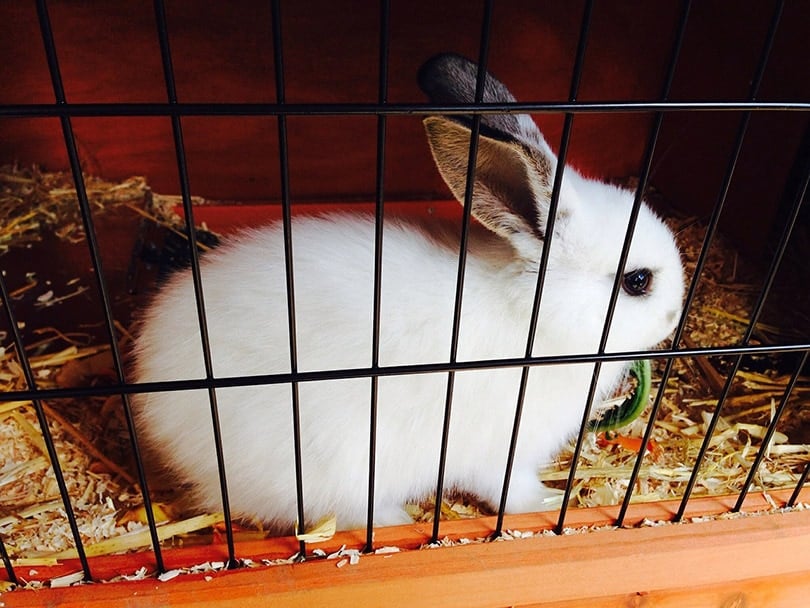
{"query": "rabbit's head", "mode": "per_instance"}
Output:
(514, 175)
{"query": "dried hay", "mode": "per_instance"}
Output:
(89, 435)
(33, 519)
(33, 201)
(92, 443)
(718, 317)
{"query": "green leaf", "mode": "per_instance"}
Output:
(630, 408)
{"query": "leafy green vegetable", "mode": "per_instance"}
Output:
(630, 408)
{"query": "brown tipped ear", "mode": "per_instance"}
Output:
(512, 182)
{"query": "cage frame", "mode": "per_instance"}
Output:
(792, 530)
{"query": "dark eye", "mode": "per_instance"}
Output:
(637, 282)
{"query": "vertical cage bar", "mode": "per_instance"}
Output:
(46, 433)
(5, 300)
(98, 269)
(766, 439)
(776, 261)
(579, 64)
(645, 440)
(97, 265)
(631, 224)
(288, 262)
(11, 576)
(586, 414)
(783, 243)
(670, 77)
(84, 207)
(741, 132)
(462, 259)
(191, 234)
(799, 485)
(379, 217)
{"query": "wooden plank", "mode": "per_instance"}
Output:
(675, 559)
(788, 591)
(669, 563)
(406, 537)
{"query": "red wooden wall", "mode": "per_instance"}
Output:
(108, 51)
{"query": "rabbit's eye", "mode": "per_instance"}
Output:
(637, 282)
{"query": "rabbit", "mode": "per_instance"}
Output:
(245, 297)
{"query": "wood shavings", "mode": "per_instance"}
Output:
(93, 458)
(107, 503)
(169, 575)
(48, 299)
(343, 555)
(67, 580)
(454, 506)
(203, 568)
(161, 512)
(32, 519)
(139, 537)
(139, 575)
(322, 531)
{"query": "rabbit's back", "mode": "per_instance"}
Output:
(245, 296)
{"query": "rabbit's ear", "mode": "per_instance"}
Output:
(450, 78)
(512, 186)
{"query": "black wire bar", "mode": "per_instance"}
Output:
(631, 224)
(765, 443)
(742, 129)
(98, 269)
(87, 222)
(46, 433)
(286, 213)
(191, 233)
(797, 491)
(379, 217)
(565, 138)
(645, 173)
(5, 299)
(11, 576)
(799, 199)
(691, 291)
(396, 370)
(776, 260)
(75, 110)
(481, 76)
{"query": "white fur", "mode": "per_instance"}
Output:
(333, 256)
(245, 296)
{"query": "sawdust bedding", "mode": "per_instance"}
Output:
(91, 440)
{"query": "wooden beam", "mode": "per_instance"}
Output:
(756, 560)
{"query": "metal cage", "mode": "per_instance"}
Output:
(382, 110)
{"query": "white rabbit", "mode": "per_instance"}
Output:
(333, 257)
